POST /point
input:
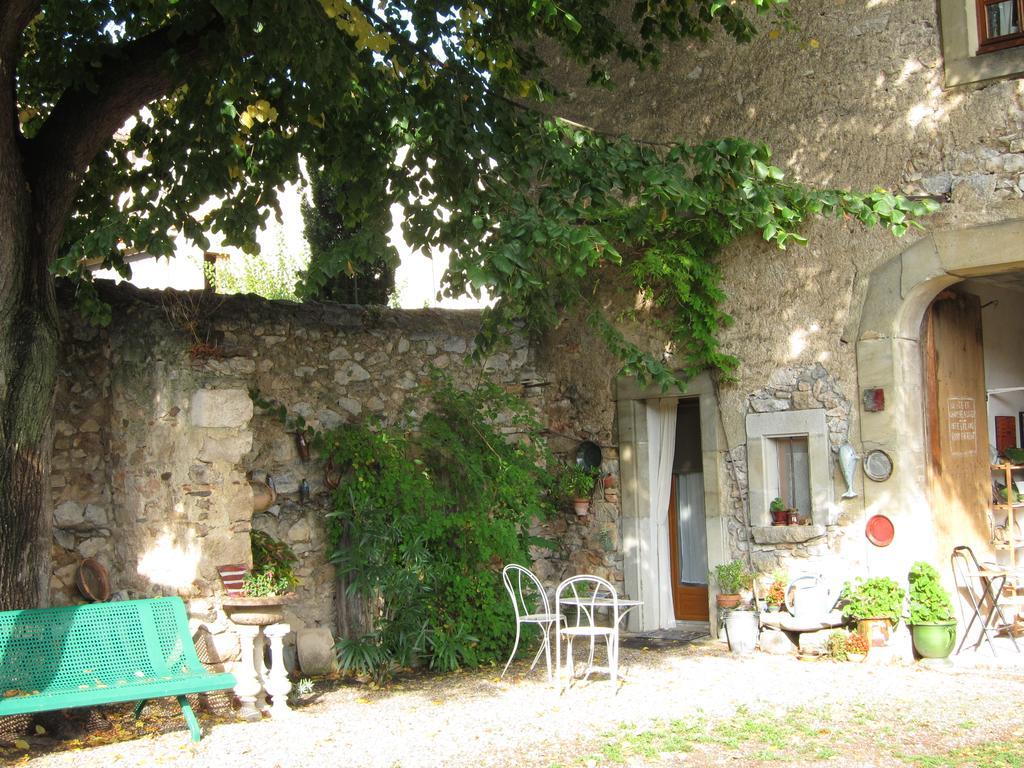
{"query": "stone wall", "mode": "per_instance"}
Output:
(157, 438)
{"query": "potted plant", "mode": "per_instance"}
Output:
(932, 624)
(835, 645)
(775, 597)
(856, 647)
(732, 578)
(875, 604)
(577, 484)
(268, 585)
(779, 510)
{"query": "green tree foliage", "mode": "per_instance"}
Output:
(424, 519)
(120, 119)
(270, 275)
(326, 232)
(533, 207)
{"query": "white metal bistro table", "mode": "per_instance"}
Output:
(625, 605)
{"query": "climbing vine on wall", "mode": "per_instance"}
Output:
(547, 232)
(426, 515)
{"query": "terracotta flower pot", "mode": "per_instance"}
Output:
(727, 601)
(875, 631)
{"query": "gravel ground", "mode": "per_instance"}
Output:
(690, 705)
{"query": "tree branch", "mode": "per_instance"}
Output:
(83, 120)
(15, 15)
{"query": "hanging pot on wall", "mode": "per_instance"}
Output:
(581, 507)
(263, 494)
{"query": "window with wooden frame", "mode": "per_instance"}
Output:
(999, 24)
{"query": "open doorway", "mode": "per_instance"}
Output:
(687, 521)
(974, 387)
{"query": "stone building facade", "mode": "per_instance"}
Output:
(152, 448)
(858, 95)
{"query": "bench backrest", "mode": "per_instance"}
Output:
(94, 646)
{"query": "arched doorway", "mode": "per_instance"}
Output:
(891, 347)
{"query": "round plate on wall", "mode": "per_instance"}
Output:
(877, 465)
(880, 530)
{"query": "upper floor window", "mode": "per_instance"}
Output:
(981, 40)
(999, 24)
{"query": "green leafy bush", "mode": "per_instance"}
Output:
(929, 601)
(875, 598)
(732, 577)
(576, 481)
(425, 517)
(266, 584)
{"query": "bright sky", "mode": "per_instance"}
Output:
(417, 279)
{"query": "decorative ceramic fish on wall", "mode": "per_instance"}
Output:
(848, 463)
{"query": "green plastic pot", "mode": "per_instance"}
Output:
(934, 640)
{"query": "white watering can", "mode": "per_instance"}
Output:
(809, 597)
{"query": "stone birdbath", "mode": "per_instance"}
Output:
(257, 620)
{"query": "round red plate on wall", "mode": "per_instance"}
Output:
(880, 530)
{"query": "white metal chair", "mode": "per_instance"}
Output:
(532, 607)
(588, 595)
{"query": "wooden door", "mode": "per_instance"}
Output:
(959, 481)
(690, 600)
(686, 521)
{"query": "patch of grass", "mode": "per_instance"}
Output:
(995, 754)
(673, 737)
(761, 736)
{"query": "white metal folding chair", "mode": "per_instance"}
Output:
(588, 595)
(532, 607)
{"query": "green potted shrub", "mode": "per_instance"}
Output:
(577, 484)
(876, 605)
(932, 623)
(732, 578)
(742, 626)
(779, 510)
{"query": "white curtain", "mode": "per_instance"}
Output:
(661, 442)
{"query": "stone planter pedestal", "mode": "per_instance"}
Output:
(258, 619)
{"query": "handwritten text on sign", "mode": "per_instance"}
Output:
(963, 426)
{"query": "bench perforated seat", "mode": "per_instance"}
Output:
(101, 653)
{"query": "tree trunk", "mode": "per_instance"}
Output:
(29, 348)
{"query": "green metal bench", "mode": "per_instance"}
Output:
(83, 655)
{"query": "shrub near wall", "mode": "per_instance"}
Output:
(425, 517)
